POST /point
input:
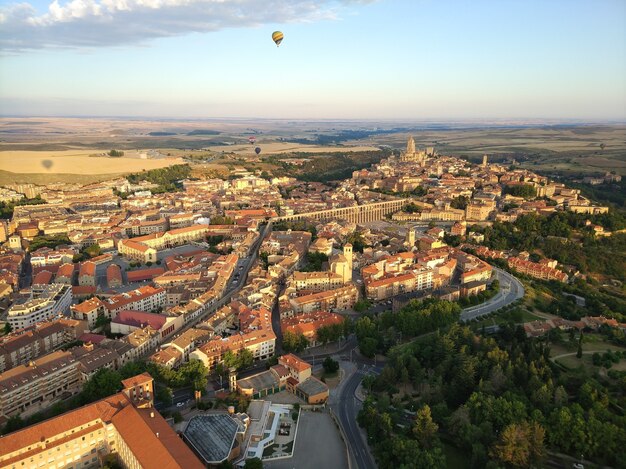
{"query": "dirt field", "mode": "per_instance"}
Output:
(77, 162)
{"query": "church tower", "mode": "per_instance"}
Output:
(484, 161)
(347, 253)
(410, 237)
(410, 146)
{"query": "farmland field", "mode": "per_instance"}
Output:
(77, 162)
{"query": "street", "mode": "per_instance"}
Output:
(511, 289)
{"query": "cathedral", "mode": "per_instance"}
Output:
(413, 155)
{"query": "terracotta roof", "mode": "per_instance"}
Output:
(137, 380)
(294, 362)
(88, 305)
(42, 278)
(87, 268)
(66, 270)
(144, 274)
(152, 441)
(140, 319)
(114, 273)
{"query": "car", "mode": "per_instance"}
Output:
(578, 465)
(180, 404)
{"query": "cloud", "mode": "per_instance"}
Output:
(101, 23)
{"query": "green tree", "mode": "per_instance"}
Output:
(330, 365)
(293, 342)
(424, 429)
(253, 463)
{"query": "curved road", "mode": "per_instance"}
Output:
(511, 289)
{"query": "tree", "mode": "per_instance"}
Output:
(330, 365)
(246, 358)
(102, 384)
(293, 342)
(424, 429)
(579, 352)
(461, 202)
(520, 444)
(253, 463)
(7, 328)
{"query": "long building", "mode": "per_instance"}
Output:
(124, 425)
(44, 302)
(29, 388)
(28, 344)
(145, 248)
(144, 298)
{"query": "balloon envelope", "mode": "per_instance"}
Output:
(47, 164)
(277, 37)
(257, 150)
(252, 139)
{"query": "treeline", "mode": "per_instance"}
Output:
(296, 225)
(419, 191)
(314, 261)
(166, 178)
(553, 236)
(522, 190)
(376, 334)
(48, 241)
(500, 400)
(6, 208)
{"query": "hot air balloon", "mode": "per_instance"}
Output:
(277, 37)
(257, 150)
(252, 140)
(47, 164)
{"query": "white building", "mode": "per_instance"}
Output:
(43, 303)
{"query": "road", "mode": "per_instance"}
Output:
(234, 285)
(511, 289)
(347, 409)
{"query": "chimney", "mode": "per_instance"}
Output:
(157, 434)
(151, 414)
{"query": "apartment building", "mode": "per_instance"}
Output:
(43, 302)
(542, 271)
(316, 281)
(145, 298)
(40, 383)
(338, 298)
(28, 344)
(90, 310)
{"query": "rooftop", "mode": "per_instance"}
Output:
(212, 436)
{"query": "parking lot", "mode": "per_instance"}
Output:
(318, 444)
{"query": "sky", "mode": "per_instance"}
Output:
(340, 59)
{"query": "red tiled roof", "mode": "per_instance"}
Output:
(140, 319)
(144, 274)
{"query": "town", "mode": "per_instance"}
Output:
(222, 321)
